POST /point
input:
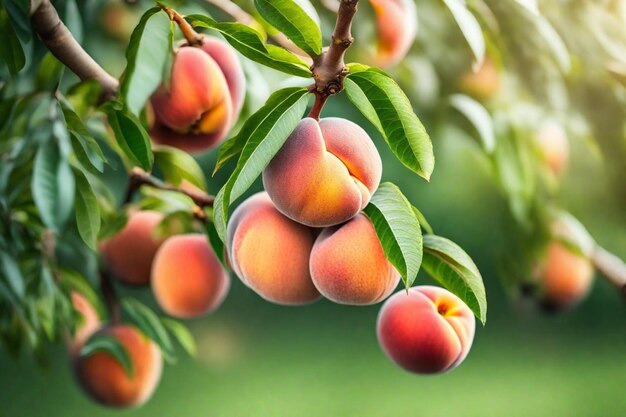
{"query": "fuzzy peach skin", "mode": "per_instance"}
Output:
(88, 325)
(325, 173)
(270, 252)
(187, 278)
(348, 265)
(565, 278)
(428, 330)
(483, 83)
(129, 254)
(106, 381)
(396, 22)
(553, 145)
(203, 100)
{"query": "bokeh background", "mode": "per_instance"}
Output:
(259, 359)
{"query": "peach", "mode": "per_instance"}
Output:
(325, 173)
(270, 252)
(348, 265)
(106, 381)
(396, 22)
(203, 100)
(427, 330)
(89, 322)
(129, 254)
(553, 144)
(187, 277)
(565, 277)
(483, 83)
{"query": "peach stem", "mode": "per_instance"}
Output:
(193, 37)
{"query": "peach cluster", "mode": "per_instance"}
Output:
(203, 98)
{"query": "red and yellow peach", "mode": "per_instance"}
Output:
(348, 265)
(88, 324)
(187, 277)
(428, 330)
(396, 22)
(553, 145)
(203, 99)
(270, 252)
(482, 84)
(129, 254)
(105, 379)
(325, 173)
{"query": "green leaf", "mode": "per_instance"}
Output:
(178, 166)
(398, 230)
(86, 148)
(53, 185)
(87, 211)
(266, 134)
(13, 275)
(216, 243)
(422, 220)
(250, 44)
(130, 134)
(479, 117)
(150, 324)
(49, 73)
(74, 281)
(11, 50)
(181, 334)
(146, 57)
(289, 18)
(386, 106)
(449, 265)
(111, 346)
(469, 27)
(83, 96)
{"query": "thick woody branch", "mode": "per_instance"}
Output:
(329, 69)
(139, 178)
(611, 267)
(59, 40)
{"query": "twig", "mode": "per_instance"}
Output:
(110, 297)
(193, 37)
(612, 268)
(59, 40)
(139, 177)
(244, 17)
(329, 69)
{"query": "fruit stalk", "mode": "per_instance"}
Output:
(611, 267)
(138, 177)
(110, 298)
(193, 38)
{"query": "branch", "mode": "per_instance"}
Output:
(611, 267)
(193, 38)
(59, 40)
(244, 17)
(139, 177)
(329, 69)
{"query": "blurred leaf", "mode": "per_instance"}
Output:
(112, 224)
(398, 230)
(478, 116)
(11, 50)
(469, 27)
(111, 346)
(53, 185)
(73, 20)
(84, 95)
(449, 265)
(130, 134)
(250, 44)
(13, 275)
(149, 323)
(384, 103)
(85, 147)
(178, 165)
(555, 43)
(289, 18)
(49, 73)
(265, 134)
(74, 281)
(146, 57)
(87, 211)
(182, 334)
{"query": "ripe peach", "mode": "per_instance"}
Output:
(483, 83)
(553, 145)
(106, 381)
(88, 325)
(348, 265)
(129, 254)
(427, 330)
(270, 252)
(187, 278)
(203, 100)
(565, 277)
(325, 173)
(396, 22)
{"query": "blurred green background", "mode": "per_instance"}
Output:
(259, 359)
